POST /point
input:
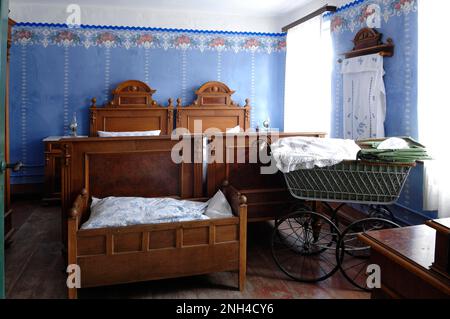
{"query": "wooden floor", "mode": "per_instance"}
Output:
(34, 269)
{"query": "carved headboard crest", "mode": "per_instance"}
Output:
(215, 108)
(131, 94)
(214, 94)
(132, 108)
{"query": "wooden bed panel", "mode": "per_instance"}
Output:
(136, 173)
(226, 233)
(137, 120)
(128, 242)
(196, 236)
(124, 165)
(94, 245)
(132, 108)
(163, 239)
(219, 119)
(158, 264)
(215, 108)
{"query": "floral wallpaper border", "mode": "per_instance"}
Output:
(149, 39)
(354, 16)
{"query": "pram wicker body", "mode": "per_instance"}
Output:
(310, 246)
(350, 182)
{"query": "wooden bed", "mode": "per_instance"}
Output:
(143, 167)
(215, 108)
(267, 195)
(131, 109)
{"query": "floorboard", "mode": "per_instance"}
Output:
(35, 269)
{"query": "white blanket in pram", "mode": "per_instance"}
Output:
(294, 153)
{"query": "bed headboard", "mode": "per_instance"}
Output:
(130, 166)
(131, 109)
(215, 108)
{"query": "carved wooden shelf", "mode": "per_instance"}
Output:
(369, 41)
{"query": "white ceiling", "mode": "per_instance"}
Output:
(255, 8)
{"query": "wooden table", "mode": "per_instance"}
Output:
(441, 262)
(405, 256)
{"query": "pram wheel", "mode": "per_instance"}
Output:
(352, 254)
(304, 246)
(381, 212)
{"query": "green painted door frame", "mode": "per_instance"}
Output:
(4, 10)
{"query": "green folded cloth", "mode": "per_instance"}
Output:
(370, 152)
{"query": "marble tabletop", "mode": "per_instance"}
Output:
(57, 138)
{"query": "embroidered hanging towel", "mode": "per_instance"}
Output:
(364, 97)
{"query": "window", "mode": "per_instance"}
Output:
(434, 105)
(308, 77)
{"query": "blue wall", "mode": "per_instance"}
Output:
(56, 70)
(399, 22)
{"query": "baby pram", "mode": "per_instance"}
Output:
(311, 244)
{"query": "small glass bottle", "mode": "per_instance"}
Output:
(266, 124)
(74, 125)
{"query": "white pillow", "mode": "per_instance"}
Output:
(393, 143)
(218, 207)
(94, 202)
(236, 129)
(137, 133)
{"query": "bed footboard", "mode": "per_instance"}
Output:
(147, 252)
(238, 203)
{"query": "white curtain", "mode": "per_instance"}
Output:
(308, 78)
(434, 102)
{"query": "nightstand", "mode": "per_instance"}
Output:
(52, 172)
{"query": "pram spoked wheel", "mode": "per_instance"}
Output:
(304, 246)
(353, 255)
(377, 211)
